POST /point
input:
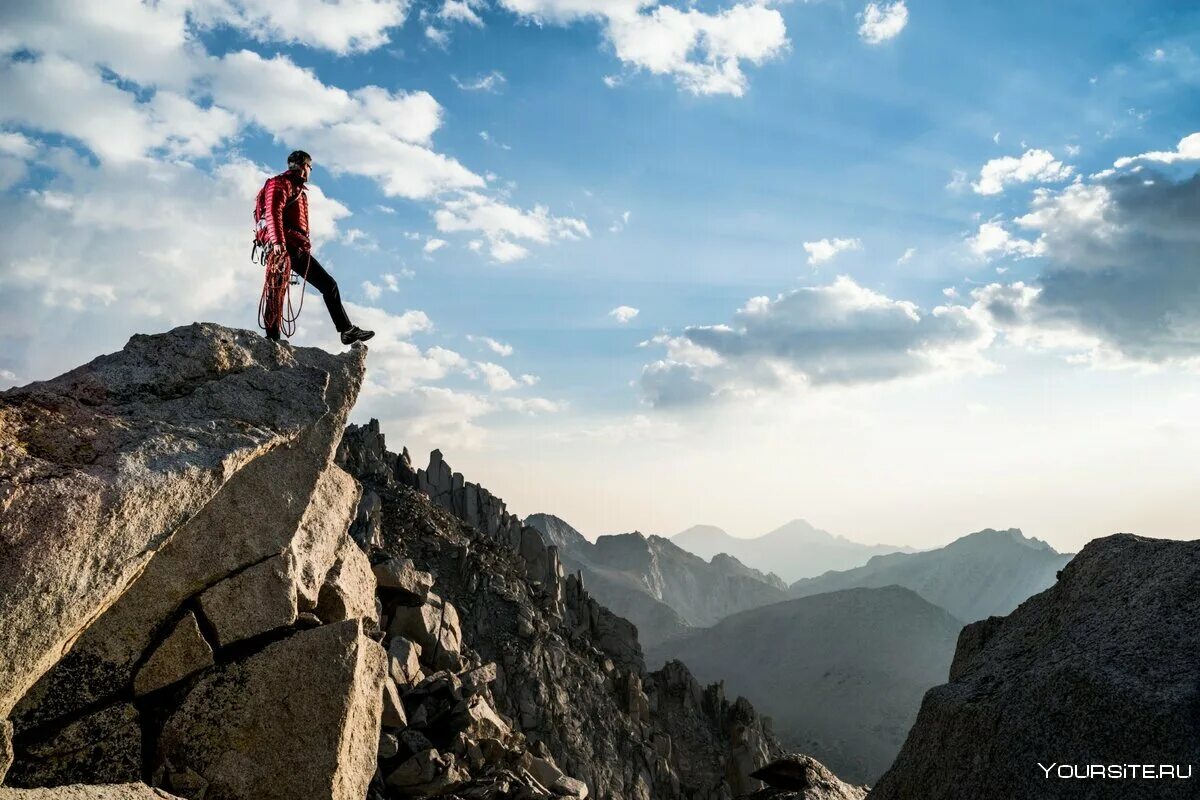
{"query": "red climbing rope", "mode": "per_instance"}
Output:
(275, 310)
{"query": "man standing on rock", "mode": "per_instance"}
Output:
(281, 213)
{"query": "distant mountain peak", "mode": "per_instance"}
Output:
(993, 537)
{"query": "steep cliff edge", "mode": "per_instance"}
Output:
(1097, 673)
(179, 601)
(569, 675)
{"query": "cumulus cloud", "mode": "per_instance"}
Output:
(1032, 165)
(343, 26)
(623, 314)
(501, 224)
(1188, 149)
(823, 251)
(703, 52)
(433, 245)
(838, 334)
(880, 22)
(993, 240)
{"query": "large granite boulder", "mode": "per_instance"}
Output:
(100, 467)
(1089, 689)
(300, 719)
(218, 641)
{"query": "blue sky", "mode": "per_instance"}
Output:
(523, 168)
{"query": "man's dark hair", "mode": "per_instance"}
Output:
(298, 158)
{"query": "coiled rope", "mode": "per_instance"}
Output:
(275, 310)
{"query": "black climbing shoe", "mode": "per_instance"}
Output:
(356, 334)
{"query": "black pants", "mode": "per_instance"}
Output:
(308, 268)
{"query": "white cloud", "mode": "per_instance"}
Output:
(359, 240)
(1033, 165)
(1188, 149)
(110, 122)
(487, 137)
(343, 26)
(703, 52)
(993, 240)
(433, 245)
(438, 36)
(880, 22)
(501, 224)
(839, 334)
(623, 314)
(372, 291)
(497, 377)
(489, 82)
(459, 11)
(958, 181)
(499, 348)
(619, 223)
(907, 256)
(823, 251)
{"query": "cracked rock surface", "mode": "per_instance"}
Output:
(178, 519)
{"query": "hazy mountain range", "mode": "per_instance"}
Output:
(657, 585)
(793, 551)
(840, 674)
(986, 573)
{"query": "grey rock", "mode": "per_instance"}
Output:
(6, 751)
(258, 600)
(183, 653)
(298, 720)
(125, 791)
(434, 625)
(569, 680)
(290, 503)
(408, 585)
(104, 746)
(1098, 669)
(389, 746)
(393, 706)
(801, 777)
(102, 466)
(349, 588)
(405, 661)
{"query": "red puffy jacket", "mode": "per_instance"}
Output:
(283, 209)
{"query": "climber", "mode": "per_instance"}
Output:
(281, 216)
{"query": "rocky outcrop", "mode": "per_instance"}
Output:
(126, 791)
(178, 510)
(802, 778)
(978, 575)
(509, 675)
(840, 674)
(662, 588)
(101, 466)
(1094, 678)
